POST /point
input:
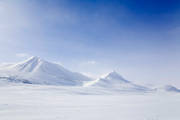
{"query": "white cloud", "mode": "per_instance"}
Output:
(5, 64)
(88, 63)
(22, 55)
(92, 62)
(58, 62)
(89, 74)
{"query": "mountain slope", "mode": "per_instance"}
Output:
(169, 88)
(38, 71)
(114, 81)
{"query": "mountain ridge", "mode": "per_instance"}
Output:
(36, 70)
(114, 81)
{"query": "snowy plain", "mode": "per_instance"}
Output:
(45, 102)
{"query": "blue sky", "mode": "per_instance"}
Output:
(137, 38)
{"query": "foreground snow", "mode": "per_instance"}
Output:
(38, 102)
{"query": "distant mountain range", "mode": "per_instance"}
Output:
(38, 71)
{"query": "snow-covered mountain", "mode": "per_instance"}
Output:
(169, 88)
(114, 81)
(38, 71)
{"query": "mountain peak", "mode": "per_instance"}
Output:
(111, 79)
(171, 88)
(39, 71)
(34, 58)
(29, 65)
(115, 76)
(113, 73)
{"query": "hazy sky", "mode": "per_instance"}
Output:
(137, 38)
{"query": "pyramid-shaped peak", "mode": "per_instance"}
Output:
(38, 71)
(30, 64)
(34, 58)
(114, 74)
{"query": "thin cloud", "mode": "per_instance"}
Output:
(92, 62)
(58, 62)
(22, 55)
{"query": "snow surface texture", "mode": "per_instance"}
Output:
(41, 102)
